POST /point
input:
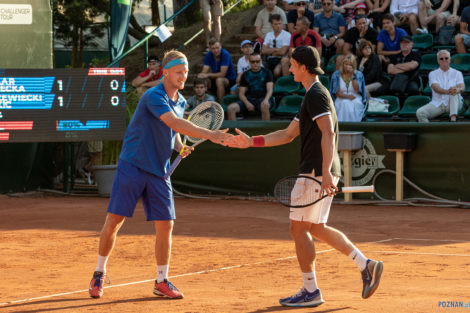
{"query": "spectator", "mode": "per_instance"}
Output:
(276, 45)
(348, 91)
(201, 95)
(388, 40)
(406, 13)
(243, 63)
(369, 65)
(331, 26)
(223, 72)
(359, 9)
(447, 85)
(436, 11)
(315, 6)
(346, 8)
(148, 78)
(462, 40)
(300, 10)
(377, 10)
(303, 37)
(262, 23)
(361, 31)
(212, 10)
(288, 5)
(404, 68)
(256, 89)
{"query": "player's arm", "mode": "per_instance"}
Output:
(325, 125)
(277, 138)
(187, 128)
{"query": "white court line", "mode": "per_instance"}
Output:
(420, 239)
(418, 253)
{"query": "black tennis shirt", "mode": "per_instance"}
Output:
(316, 103)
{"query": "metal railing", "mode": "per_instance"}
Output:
(149, 35)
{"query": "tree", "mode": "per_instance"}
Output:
(74, 24)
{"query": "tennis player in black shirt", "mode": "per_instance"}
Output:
(317, 125)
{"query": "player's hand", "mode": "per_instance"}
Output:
(242, 141)
(186, 151)
(327, 185)
(220, 137)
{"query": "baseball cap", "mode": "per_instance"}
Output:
(309, 57)
(406, 38)
(152, 58)
(245, 42)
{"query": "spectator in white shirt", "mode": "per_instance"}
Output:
(243, 63)
(406, 12)
(276, 45)
(262, 24)
(447, 85)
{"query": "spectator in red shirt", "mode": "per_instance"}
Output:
(148, 78)
(302, 37)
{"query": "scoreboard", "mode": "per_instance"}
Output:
(50, 105)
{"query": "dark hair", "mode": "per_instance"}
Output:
(213, 41)
(200, 81)
(362, 44)
(304, 20)
(255, 53)
(359, 16)
(389, 17)
(274, 17)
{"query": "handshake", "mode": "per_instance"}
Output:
(241, 140)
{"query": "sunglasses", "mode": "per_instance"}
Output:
(274, 43)
(299, 4)
(256, 61)
(442, 59)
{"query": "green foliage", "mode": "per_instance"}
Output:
(243, 5)
(112, 149)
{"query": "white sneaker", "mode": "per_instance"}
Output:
(422, 30)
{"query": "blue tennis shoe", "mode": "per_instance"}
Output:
(303, 298)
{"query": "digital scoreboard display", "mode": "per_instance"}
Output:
(50, 105)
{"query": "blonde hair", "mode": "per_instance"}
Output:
(351, 59)
(172, 55)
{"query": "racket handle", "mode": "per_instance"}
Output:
(173, 166)
(358, 189)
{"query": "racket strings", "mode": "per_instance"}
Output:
(208, 116)
(297, 192)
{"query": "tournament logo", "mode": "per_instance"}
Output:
(364, 162)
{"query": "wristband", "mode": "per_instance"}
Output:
(258, 141)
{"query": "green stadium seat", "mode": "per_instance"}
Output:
(429, 62)
(331, 66)
(412, 104)
(394, 106)
(226, 100)
(325, 81)
(466, 80)
(286, 84)
(289, 105)
(427, 90)
(461, 62)
(422, 41)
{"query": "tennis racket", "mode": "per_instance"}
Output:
(208, 115)
(302, 191)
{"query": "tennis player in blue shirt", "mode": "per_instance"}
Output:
(150, 139)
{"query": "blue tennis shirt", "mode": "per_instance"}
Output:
(149, 143)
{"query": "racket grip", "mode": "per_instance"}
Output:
(358, 189)
(173, 166)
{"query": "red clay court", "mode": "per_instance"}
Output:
(228, 256)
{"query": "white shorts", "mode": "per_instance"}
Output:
(317, 213)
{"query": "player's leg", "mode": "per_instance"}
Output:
(309, 295)
(159, 208)
(371, 270)
(126, 191)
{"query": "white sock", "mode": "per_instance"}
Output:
(310, 281)
(358, 258)
(101, 264)
(162, 273)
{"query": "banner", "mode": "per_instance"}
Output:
(120, 16)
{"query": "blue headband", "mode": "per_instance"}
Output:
(175, 62)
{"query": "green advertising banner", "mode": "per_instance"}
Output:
(440, 163)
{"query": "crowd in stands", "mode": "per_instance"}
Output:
(369, 48)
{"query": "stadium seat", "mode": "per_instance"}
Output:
(461, 62)
(394, 106)
(226, 100)
(289, 105)
(427, 90)
(412, 104)
(331, 66)
(466, 80)
(286, 84)
(429, 62)
(325, 81)
(422, 41)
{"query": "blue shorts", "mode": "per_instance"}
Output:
(466, 40)
(131, 183)
(256, 102)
